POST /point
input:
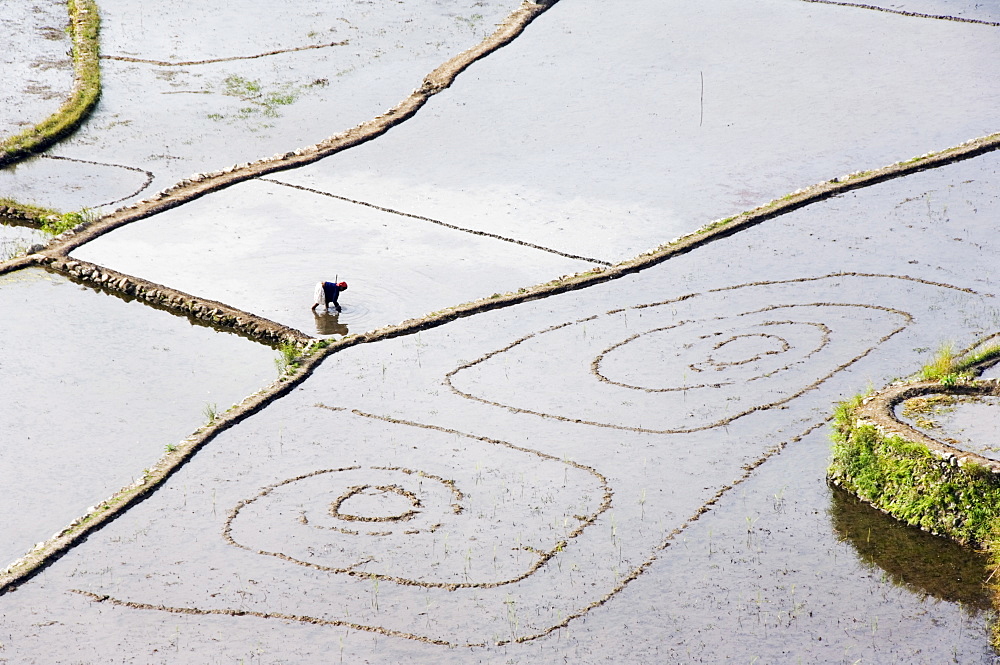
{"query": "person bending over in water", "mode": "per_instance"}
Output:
(326, 293)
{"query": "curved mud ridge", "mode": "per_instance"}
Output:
(879, 409)
(84, 22)
(148, 175)
(189, 63)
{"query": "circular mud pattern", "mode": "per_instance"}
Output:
(687, 364)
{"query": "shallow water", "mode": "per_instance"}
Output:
(967, 423)
(93, 389)
(776, 569)
(175, 119)
(557, 471)
(37, 72)
(16, 239)
(654, 128)
(262, 247)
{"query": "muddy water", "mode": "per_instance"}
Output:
(93, 389)
(175, 119)
(649, 131)
(37, 71)
(262, 247)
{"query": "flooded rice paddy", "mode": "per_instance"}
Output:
(633, 471)
(967, 423)
(93, 390)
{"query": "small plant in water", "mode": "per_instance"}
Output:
(289, 358)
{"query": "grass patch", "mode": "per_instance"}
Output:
(288, 359)
(84, 26)
(56, 224)
(262, 103)
(905, 480)
(950, 367)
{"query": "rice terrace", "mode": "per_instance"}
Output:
(671, 334)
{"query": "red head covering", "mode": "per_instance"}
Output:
(342, 286)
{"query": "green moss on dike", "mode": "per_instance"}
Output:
(85, 25)
(906, 481)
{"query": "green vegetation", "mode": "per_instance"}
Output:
(211, 412)
(949, 367)
(263, 103)
(905, 480)
(56, 224)
(289, 359)
(84, 26)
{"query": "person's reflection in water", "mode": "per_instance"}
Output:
(329, 324)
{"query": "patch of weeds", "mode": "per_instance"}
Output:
(211, 412)
(34, 214)
(903, 479)
(261, 102)
(288, 360)
(54, 225)
(170, 447)
(921, 409)
(472, 22)
(951, 368)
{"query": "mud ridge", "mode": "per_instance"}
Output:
(438, 222)
(84, 23)
(940, 17)
(218, 315)
(149, 175)
(879, 410)
(164, 63)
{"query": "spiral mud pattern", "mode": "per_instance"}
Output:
(679, 370)
(301, 520)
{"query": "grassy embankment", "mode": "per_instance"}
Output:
(906, 480)
(84, 26)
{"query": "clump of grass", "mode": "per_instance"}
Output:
(211, 412)
(262, 102)
(36, 214)
(944, 363)
(56, 224)
(904, 479)
(950, 367)
(289, 358)
(992, 547)
(84, 28)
